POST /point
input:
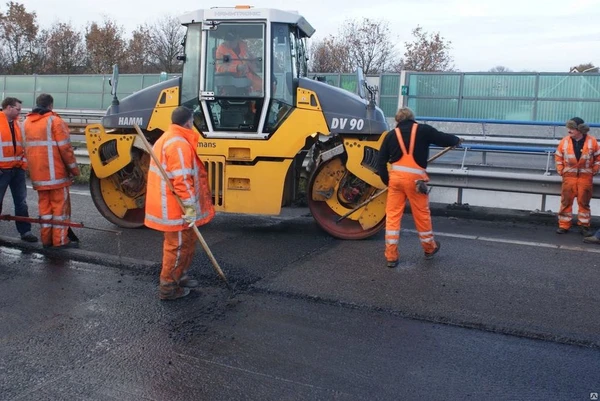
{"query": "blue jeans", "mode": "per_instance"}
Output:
(15, 179)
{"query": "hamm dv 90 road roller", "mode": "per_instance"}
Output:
(245, 78)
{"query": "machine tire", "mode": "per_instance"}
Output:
(327, 218)
(134, 218)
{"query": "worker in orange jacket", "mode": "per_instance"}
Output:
(13, 164)
(232, 56)
(407, 148)
(52, 166)
(176, 151)
(577, 161)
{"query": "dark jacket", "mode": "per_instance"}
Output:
(391, 152)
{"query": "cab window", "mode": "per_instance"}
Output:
(235, 66)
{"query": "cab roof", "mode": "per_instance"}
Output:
(247, 13)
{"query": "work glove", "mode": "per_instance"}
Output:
(189, 215)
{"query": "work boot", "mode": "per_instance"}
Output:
(29, 237)
(429, 256)
(562, 231)
(188, 282)
(392, 264)
(171, 292)
(586, 231)
(592, 240)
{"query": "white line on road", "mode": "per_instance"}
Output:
(589, 248)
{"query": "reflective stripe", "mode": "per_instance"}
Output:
(425, 233)
(565, 217)
(392, 232)
(577, 170)
(51, 182)
(172, 222)
(427, 239)
(178, 256)
(190, 191)
(10, 159)
(391, 241)
(407, 169)
(39, 143)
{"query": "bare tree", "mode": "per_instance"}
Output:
(66, 50)
(500, 68)
(165, 43)
(398, 66)
(330, 55)
(18, 32)
(587, 67)
(138, 56)
(369, 44)
(428, 52)
(105, 46)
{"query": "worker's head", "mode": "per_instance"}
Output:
(44, 101)
(183, 116)
(576, 126)
(231, 37)
(11, 107)
(404, 114)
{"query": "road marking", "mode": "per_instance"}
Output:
(584, 248)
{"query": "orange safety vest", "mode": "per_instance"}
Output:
(48, 148)
(234, 61)
(12, 155)
(567, 164)
(176, 152)
(407, 164)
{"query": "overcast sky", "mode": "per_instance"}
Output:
(533, 35)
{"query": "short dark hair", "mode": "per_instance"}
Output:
(44, 100)
(10, 101)
(181, 115)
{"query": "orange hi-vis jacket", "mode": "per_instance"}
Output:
(49, 152)
(176, 151)
(567, 164)
(12, 154)
(235, 60)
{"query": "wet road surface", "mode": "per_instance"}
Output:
(506, 311)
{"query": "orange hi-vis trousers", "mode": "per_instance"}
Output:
(400, 189)
(580, 187)
(178, 252)
(54, 204)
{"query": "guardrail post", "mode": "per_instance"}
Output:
(543, 209)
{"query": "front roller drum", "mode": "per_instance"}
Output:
(333, 192)
(116, 205)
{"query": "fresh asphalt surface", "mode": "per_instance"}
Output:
(507, 310)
